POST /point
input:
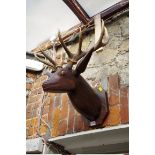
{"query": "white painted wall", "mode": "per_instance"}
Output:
(44, 18)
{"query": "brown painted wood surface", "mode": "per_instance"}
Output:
(84, 99)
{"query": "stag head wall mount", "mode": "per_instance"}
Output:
(92, 104)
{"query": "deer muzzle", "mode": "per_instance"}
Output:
(59, 86)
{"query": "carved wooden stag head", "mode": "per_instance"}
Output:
(90, 103)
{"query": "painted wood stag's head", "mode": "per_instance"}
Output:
(87, 101)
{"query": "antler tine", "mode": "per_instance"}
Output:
(78, 57)
(54, 52)
(70, 55)
(99, 42)
(80, 42)
(49, 58)
(43, 61)
(103, 36)
(62, 59)
(104, 33)
(84, 53)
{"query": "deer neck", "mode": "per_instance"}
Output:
(84, 98)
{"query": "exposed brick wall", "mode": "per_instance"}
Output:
(118, 102)
(30, 78)
(57, 111)
(35, 108)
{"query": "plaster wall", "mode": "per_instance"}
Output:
(113, 58)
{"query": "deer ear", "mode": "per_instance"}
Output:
(82, 65)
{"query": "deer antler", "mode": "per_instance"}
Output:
(103, 36)
(70, 55)
(51, 62)
(73, 58)
(80, 42)
(49, 58)
(44, 61)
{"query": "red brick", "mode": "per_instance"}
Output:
(47, 101)
(114, 83)
(37, 79)
(35, 109)
(27, 132)
(64, 110)
(114, 117)
(31, 75)
(28, 122)
(34, 122)
(71, 119)
(79, 123)
(34, 92)
(57, 100)
(29, 109)
(52, 95)
(124, 114)
(43, 126)
(28, 86)
(39, 97)
(37, 103)
(62, 127)
(45, 110)
(124, 104)
(30, 131)
(37, 85)
(35, 134)
(124, 95)
(55, 122)
(43, 78)
(113, 98)
(45, 118)
(40, 90)
(28, 115)
(32, 99)
(43, 129)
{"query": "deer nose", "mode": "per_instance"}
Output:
(49, 83)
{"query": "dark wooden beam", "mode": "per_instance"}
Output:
(105, 15)
(114, 9)
(78, 10)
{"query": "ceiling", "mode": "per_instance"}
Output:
(94, 7)
(45, 17)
